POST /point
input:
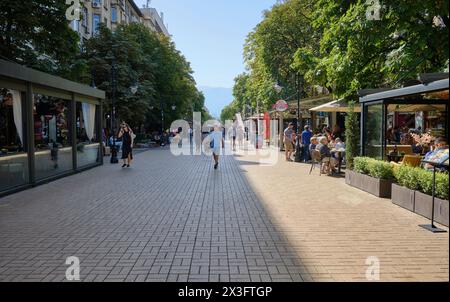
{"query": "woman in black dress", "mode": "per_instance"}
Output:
(127, 144)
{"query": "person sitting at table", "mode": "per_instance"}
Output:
(338, 151)
(339, 144)
(313, 145)
(439, 153)
(325, 155)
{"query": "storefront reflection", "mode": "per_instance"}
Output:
(13, 156)
(52, 136)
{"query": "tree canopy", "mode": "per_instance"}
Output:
(337, 45)
(150, 62)
(38, 35)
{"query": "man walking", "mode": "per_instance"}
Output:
(306, 141)
(216, 141)
(288, 141)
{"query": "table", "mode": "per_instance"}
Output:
(340, 158)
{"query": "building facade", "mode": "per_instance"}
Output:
(115, 12)
(154, 21)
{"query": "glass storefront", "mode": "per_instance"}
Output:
(48, 130)
(374, 131)
(53, 147)
(13, 149)
(88, 144)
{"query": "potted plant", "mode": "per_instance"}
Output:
(371, 175)
(414, 189)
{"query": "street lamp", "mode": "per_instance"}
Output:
(134, 90)
(278, 88)
(299, 80)
(114, 159)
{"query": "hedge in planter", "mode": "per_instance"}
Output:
(419, 182)
(370, 175)
(418, 179)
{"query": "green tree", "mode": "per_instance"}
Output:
(357, 52)
(151, 61)
(37, 34)
(352, 135)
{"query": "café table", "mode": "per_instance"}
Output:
(340, 157)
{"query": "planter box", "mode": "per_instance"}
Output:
(378, 187)
(403, 197)
(423, 207)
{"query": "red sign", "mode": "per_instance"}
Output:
(281, 106)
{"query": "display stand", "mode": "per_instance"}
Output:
(431, 227)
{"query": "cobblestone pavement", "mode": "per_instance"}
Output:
(166, 219)
(176, 219)
(334, 228)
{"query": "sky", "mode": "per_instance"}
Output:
(211, 34)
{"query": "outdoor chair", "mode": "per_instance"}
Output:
(409, 160)
(324, 164)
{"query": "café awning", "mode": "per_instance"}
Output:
(335, 106)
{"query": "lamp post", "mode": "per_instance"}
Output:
(134, 89)
(114, 159)
(298, 157)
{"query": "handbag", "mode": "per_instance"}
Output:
(211, 144)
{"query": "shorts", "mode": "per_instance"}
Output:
(288, 146)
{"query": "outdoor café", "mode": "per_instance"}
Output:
(401, 124)
(49, 127)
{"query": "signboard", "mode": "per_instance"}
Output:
(281, 106)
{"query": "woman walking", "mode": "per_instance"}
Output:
(127, 144)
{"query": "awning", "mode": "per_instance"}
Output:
(335, 106)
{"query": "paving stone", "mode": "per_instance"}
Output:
(176, 219)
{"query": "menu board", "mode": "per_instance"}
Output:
(438, 157)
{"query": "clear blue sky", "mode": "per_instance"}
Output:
(211, 34)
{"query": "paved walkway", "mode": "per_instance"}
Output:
(176, 219)
(335, 228)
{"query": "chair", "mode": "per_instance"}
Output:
(408, 160)
(412, 160)
(323, 163)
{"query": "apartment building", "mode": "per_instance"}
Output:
(115, 12)
(154, 21)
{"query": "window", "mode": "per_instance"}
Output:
(374, 130)
(96, 3)
(51, 136)
(114, 14)
(13, 150)
(95, 23)
(88, 144)
(75, 24)
(85, 18)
